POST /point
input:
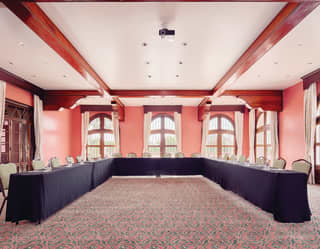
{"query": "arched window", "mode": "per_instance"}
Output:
(163, 135)
(263, 135)
(100, 136)
(221, 138)
(317, 141)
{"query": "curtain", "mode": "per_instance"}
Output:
(84, 134)
(205, 128)
(2, 102)
(146, 130)
(252, 134)
(115, 124)
(274, 136)
(310, 116)
(238, 117)
(38, 126)
(177, 122)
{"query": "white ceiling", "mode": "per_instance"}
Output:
(110, 37)
(296, 55)
(23, 53)
(161, 101)
(227, 100)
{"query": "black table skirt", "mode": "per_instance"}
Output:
(37, 195)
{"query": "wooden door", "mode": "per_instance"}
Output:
(5, 142)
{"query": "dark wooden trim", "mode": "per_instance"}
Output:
(148, 1)
(311, 78)
(118, 107)
(148, 93)
(162, 108)
(21, 83)
(35, 18)
(228, 108)
(288, 18)
(96, 108)
(204, 108)
(268, 100)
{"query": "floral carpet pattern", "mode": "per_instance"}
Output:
(163, 213)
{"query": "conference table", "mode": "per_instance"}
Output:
(36, 195)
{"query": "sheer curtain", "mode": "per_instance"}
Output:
(205, 128)
(2, 102)
(274, 136)
(252, 134)
(38, 126)
(238, 118)
(115, 123)
(84, 134)
(177, 122)
(310, 116)
(146, 130)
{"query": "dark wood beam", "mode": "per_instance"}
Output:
(268, 100)
(35, 18)
(204, 108)
(228, 108)
(55, 99)
(310, 78)
(162, 108)
(148, 93)
(96, 108)
(288, 18)
(21, 83)
(133, 1)
(118, 107)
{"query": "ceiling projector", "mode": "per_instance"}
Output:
(167, 33)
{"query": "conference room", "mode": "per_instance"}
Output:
(159, 124)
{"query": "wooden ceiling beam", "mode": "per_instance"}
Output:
(118, 107)
(204, 108)
(35, 18)
(148, 93)
(288, 18)
(268, 100)
(133, 1)
(310, 78)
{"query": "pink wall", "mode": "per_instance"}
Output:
(57, 134)
(245, 147)
(75, 132)
(19, 95)
(291, 125)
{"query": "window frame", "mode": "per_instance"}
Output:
(266, 127)
(100, 131)
(162, 131)
(220, 132)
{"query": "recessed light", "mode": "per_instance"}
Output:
(21, 44)
(177, 75)
(299, 44)
(258, 75)
(276, 63)
(10, 62)
(184, 44)
(309, 63)
(147, 62)
(149, 76)
(64, 76)
(180, 62)
(144, 44)
(33, 75)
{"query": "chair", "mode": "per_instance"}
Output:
(38, 164)
(165, 154)
(233, 158)
(242, 159)
(302, 166)
(5, 171)
(146, 155)
(261, 160)
(79, 159)
(280, 163)
(131, 155)
(179, 155)
(195, 155)
(69, 160)
(54, 162)
(116, 155)
(226, 157)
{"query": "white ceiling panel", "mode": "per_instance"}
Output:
(23, 53)
(161, 101)
(294, 56)
(110, 37)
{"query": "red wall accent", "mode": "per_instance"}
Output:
(245, 146)
(19, 95)
(75, 132)
(291, 125)
(57, 134)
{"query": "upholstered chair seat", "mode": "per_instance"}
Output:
(131, 155)
(261, 160)
(233, 158)
(69, 160)
(302, 166)
(165, 155)
(195, 155)
(242, 159)
(55, 162)
(226, 157)
(38, 164)
(146, 155)
(116, 155)
(79, 159)
(179, 155)
(279, 163)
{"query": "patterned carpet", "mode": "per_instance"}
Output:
(163, 213)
